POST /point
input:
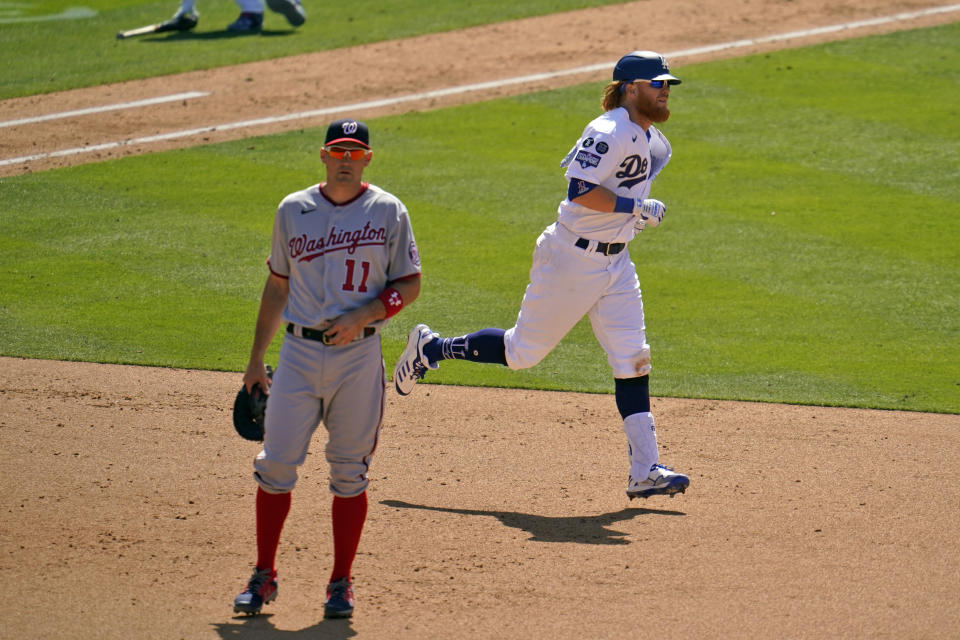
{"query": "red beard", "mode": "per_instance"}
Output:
(656, 112)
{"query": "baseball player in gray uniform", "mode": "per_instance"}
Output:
(580, 265)
(343, 260)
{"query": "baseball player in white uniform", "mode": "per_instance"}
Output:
(249, 21)
(580, 265)
(343, 260)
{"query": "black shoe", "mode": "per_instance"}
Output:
(247, 23)
(291, 9)
(261, 590)
(180, 22)
(339, 602)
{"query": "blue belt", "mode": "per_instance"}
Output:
(606, 248)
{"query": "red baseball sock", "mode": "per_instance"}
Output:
(272, 510)
(348, 514)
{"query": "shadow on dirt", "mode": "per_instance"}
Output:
(260, 627)
(580, 529)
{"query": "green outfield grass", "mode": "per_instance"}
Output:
(810, 252)
(43, 54)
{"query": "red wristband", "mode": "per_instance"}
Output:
(392, 301)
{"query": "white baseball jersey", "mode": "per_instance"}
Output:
(339, 257)
(568, 282)
(616, 153)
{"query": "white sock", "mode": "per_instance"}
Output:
(250, 6)
(186, 6)
(642, 443)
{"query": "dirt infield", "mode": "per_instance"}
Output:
(493, 513)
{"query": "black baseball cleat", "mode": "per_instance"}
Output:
(180, 22)
(291, 10)
(247, 23)
(261, 590)
(340, 601)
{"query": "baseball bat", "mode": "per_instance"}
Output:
(150, 28)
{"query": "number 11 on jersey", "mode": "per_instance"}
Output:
(351, 269)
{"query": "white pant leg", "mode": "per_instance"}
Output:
(618, 323)
(565, 282)
(250, 6)
(641, 444)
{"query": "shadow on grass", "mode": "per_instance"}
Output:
(579, 529)
(223, 34)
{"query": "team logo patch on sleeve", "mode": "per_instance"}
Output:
(414, 254)
(602, 148)
(587, 159)
(581, 186)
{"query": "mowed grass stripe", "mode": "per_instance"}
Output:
(809, 254)
(42, 56)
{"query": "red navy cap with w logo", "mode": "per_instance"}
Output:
(348, 130)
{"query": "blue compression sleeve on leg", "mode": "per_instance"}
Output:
(485, 345)
(632, 395)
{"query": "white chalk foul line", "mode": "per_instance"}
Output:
(304, 115)
(107, 107)
(790, 35)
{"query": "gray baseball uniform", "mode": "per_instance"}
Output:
(337, 258)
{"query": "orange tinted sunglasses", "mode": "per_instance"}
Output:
(339, 153)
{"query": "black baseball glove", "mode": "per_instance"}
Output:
(249, 409)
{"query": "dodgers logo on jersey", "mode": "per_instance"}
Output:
(587, 159)
(634, 169)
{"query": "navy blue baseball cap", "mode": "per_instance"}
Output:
(643, 65)
(348, 130)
